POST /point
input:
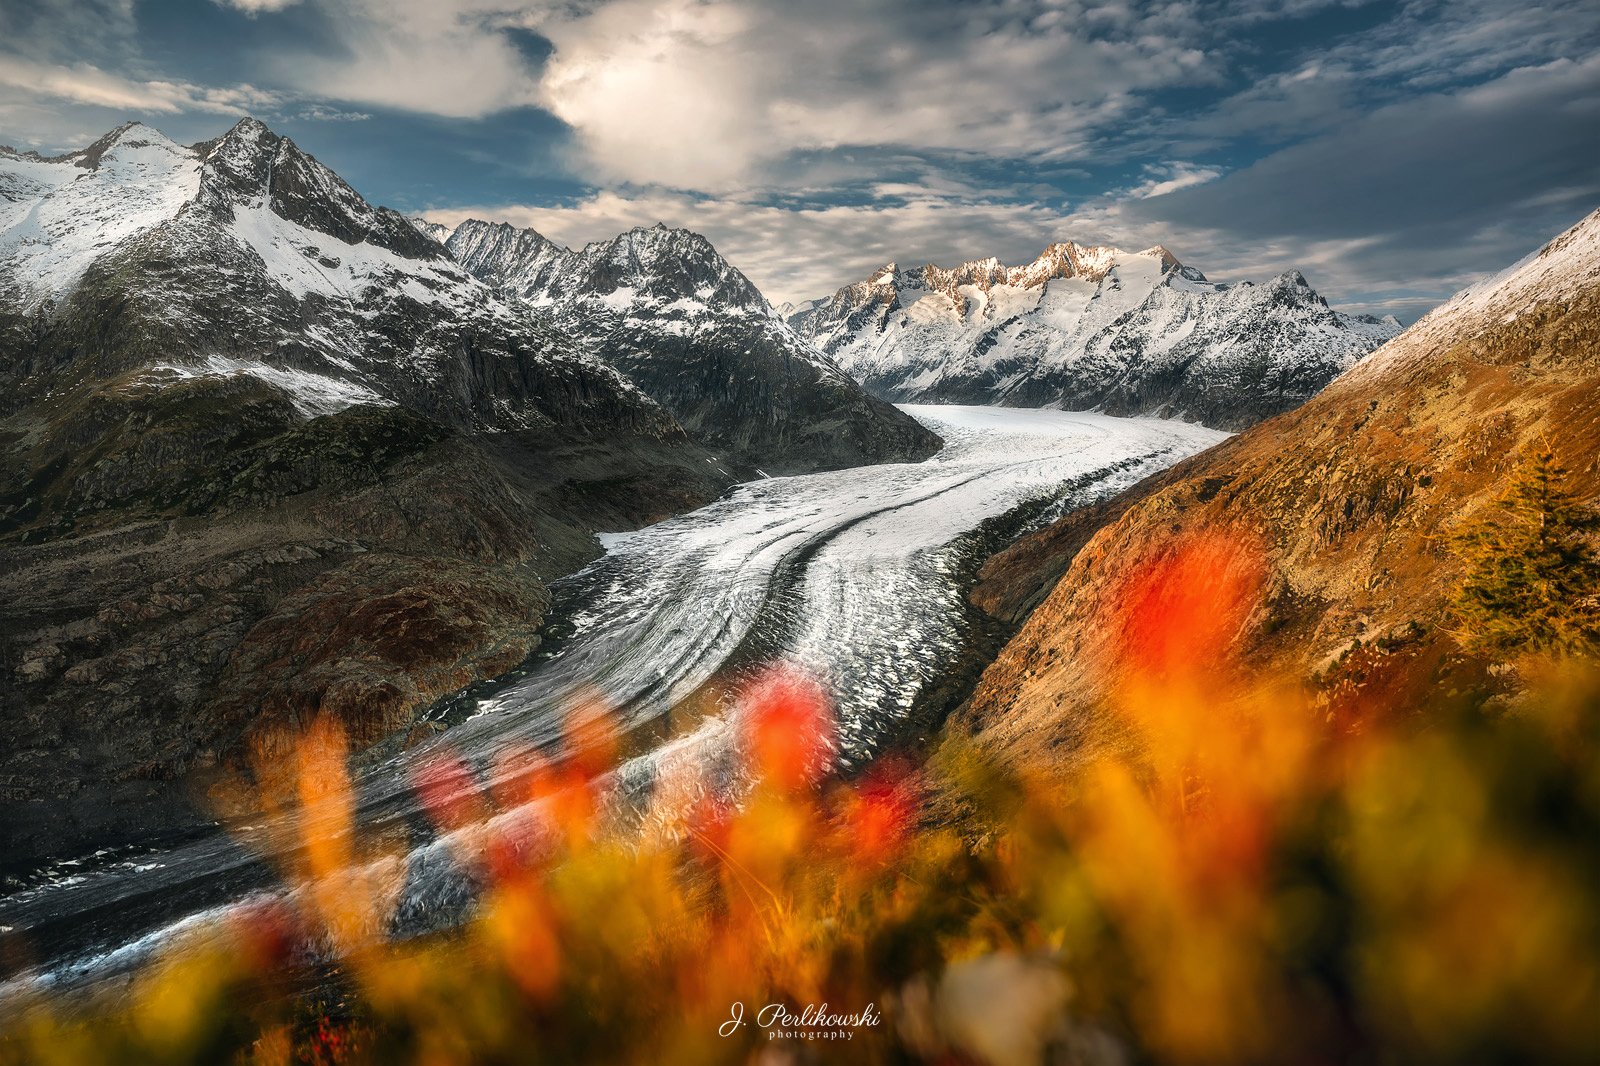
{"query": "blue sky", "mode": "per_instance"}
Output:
(1393, 151)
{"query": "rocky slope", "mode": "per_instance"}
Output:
(689, 329)
(1086, 327)
(268, 453)
(1350, 498)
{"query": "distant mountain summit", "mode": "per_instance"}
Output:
(663, 307)
(659, 269)
(1089, 326)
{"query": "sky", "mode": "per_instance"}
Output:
(1393, 151)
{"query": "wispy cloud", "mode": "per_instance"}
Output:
(1163, 178)
(256, 7)
(82, 83)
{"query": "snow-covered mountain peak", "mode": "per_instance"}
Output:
(1087, 325)
(432, 230)
(663, 306)
(476, 239)
(123, 142)
(971, 286)
(1555, 272)
(672, 265)
(1065, 259)
(57, 214)
(1168, 260)
(252, 167)
(245, 255)
(654, 270)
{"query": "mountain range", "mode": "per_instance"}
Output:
(675, 317)
(1090, 327)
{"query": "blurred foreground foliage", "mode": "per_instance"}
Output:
(1270, 879)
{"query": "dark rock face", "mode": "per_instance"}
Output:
(251, 163)
(676, 319)
(269, 454)
(1090, 328)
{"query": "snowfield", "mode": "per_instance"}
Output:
(851, 574)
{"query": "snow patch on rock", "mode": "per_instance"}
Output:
(313, 395)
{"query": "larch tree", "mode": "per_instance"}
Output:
(1532, 580)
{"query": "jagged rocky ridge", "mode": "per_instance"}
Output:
(1090, 327)
(268, 454)
(689, 329)
(1351, 499)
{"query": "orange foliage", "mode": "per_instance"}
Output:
(1254, 886)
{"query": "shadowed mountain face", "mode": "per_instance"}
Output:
(689, 329)
(1090, 327)
(269, 454)
(1351, 497)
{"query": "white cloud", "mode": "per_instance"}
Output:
(711, 97)
(324, 113)
(256, 7)
(1163, 178)
(82, 83)
(439, 57)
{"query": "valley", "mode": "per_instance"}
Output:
(850, 575)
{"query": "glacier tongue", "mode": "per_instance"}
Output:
(852, 573)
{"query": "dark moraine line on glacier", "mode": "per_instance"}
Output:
(848, 573)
